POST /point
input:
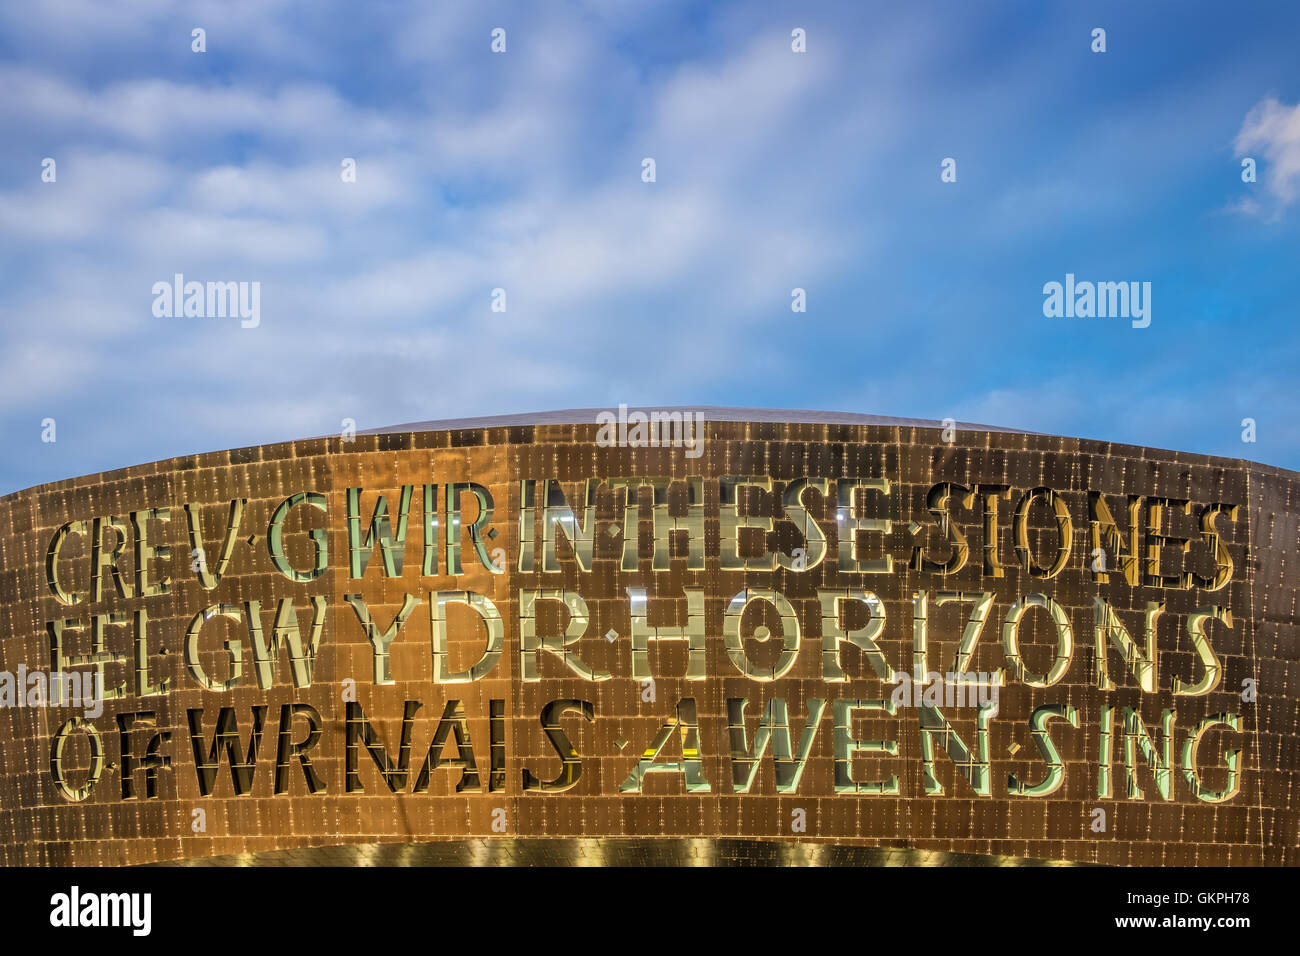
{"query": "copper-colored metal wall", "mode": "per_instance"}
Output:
(38, 825)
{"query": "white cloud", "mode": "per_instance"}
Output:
(167, 114)
(1271, 130)
(376, 294)
(92, 190)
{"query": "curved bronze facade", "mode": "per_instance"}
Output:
(555, 628)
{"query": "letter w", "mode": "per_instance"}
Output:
(227, 736)
(774, 727)
(381, 528)
(284, 629)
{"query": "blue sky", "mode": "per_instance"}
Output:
(522, 171)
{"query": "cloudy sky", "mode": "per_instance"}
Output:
(522, 171)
